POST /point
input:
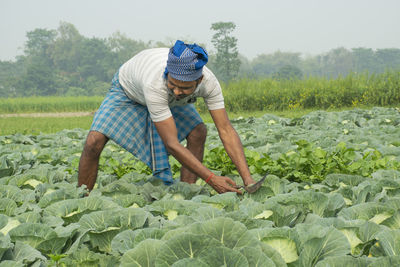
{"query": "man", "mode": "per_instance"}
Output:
(149, 110)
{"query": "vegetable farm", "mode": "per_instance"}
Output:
(331, 198)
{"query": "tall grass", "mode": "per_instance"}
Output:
(49, 104)
(354, 90)
(34, 126)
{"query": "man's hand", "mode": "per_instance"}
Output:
(249, 182)
(223, 184)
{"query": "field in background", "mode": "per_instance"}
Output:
(34, 126)
(246, 97)
(355, 90)
(37, 125)
(315, 93)
(49, 104)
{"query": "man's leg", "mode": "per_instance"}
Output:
(89, 162)
(195, 143)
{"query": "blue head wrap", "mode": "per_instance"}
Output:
(185, 61)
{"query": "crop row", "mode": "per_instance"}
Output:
(303, 217)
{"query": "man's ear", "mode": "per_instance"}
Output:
(200, 79)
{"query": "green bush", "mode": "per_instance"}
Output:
(321, 93)
(354, 90)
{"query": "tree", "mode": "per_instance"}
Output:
(38, 77)
(365, 60)
(288, 72)
(227, 63)
(77, 58)
(124, 48)
(95, 60)
(267, 65)
(9, 73)
(310, 66)
(66, 54)
(39, 42)
(337, 62)
(389, 57)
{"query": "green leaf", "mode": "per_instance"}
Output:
(264, 215)
(123, 241)
(229, 233)
(222, 256)
(255, 257)
(336, 202)
(12, 192)
(388, 261)
(71, 210)
(310, 230)
(7, 224)
(334, 243)
(5, 244)
(184, 245)
(10, 263)
(227, 201)
(206, 213)
(273, 254)
(8, 206)
(340, 261)
(285, 241)
(393, 222)
(38, 236)
(52, 196)
(26, 254)
(83, 257)
(389, 240)
(285, 246)
(353, 239)
(128, 239)
(103, 226)
(190, 262)
(144, 253)
(30, 216)
(374, 212)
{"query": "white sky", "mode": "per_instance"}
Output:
(305, 26)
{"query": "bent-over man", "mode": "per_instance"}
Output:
(149, 110)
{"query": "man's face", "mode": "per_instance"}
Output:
(181, 89)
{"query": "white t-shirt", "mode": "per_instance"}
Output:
(142, 78)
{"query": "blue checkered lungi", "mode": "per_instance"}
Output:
(129, 125)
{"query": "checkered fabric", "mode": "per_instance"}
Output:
(129, 125)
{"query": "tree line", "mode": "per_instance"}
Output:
(65, 63)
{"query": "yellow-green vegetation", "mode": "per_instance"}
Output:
(49, 104)
(37, 125)
(354, 90)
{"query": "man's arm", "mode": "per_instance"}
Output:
(168, 133)
(231, 141)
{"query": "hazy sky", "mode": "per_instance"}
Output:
(306, 26)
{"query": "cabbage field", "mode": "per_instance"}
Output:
(331, 198)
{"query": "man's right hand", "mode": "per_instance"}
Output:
(223, 184)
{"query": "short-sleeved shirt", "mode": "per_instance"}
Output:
(143, 80)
